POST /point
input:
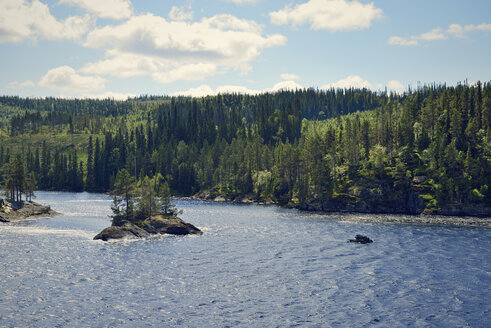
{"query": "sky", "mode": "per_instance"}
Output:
(127, 48)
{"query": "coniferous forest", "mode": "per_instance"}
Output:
(425, 150)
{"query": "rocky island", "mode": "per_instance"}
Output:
(160, 224)
(143, 208)
(22, 210)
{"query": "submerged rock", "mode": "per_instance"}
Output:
(360, 239)
(119, 232)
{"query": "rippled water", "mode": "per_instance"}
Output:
(255, 266)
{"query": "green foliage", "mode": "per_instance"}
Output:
(134, 202)
(430, 201)
(291, 147)
(123, 192)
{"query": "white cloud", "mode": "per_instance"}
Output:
(240, 2)
(459, 31)
(287, 76)
(20, 20)
(201, 91)
(436, 34)
(178, 50)
(25, 84)
(114, 9)
(455, 30)
(180, 14)
(332, 15)
(357, 82)
(395, 86)
(205, 90)
(189, 72)
(352, 81)
(480, 27)
(285, 85)
(236, 89)
(65, 78)
(123, 65)
(226, 22)
(398, 41)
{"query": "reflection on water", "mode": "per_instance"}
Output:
(254, 266)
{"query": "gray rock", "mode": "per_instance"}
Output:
(169, 225)
(119, 232)
(17, 211)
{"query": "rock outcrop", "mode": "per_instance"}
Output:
(119, 232)
(155, 225)
(17, 211)
(169, 225)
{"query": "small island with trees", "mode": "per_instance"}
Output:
(17, 183)
(143, 208)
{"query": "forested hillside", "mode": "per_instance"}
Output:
(331, 150)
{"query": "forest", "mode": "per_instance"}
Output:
(354, 149)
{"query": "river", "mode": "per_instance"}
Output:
(254, 266)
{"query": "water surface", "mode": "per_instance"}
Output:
(255, 266)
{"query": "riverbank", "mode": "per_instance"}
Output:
(456, 216)
(219, 198)
(18, 211)
(423, 219)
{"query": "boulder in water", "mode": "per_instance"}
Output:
(360, 239)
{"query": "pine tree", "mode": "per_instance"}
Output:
(163, 199)
(124, 190)
(146, 202)
(14, 178)
(30, 185)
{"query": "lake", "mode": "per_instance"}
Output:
(254, 266)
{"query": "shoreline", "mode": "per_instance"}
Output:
(462, 220)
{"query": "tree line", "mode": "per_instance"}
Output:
(289, 147)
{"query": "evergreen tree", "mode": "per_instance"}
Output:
(14, 178)
(124, 191)
(163, 196)
(146, 202)
(30, 185)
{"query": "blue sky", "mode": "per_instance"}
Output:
(120, 48)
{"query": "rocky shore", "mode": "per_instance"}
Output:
(17, 211)
(408, 208)
(216, 197)
(156, 225)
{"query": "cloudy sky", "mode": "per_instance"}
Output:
(120, 48)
